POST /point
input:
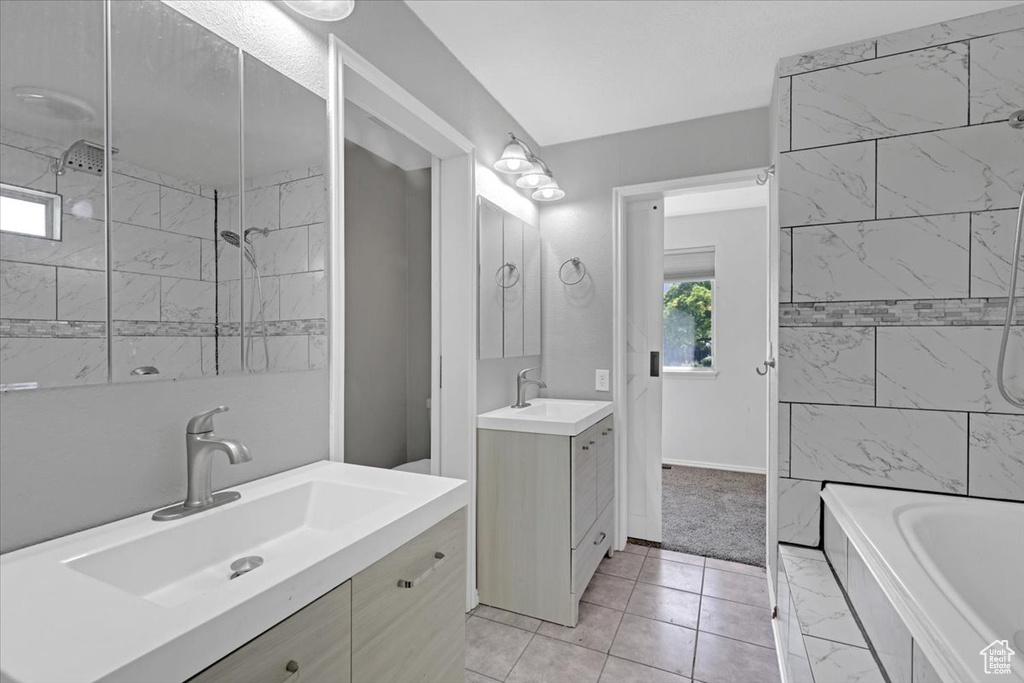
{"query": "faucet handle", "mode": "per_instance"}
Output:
(203, 422)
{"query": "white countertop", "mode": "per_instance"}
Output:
(556, 416)
(70, 612)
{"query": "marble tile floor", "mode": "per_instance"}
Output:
(650, 616)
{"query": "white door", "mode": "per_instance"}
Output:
(770, 367)
(645, 248)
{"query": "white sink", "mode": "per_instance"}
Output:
(561, 417)
(181, 563)
(139, 600)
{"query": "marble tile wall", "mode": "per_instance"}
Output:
(292, 204)
(898, 183)
(166, 258)
(827, 643)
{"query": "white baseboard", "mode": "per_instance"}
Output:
(714, 466)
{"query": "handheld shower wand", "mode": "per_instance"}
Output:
(1016, 121)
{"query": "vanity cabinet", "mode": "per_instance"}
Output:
(545, 518)
(509, 284)
(400, 619)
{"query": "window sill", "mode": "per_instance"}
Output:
(688, 373)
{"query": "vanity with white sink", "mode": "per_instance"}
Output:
(545, 504)
(353, 559)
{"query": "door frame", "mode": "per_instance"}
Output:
(620, 197)
(453, 243)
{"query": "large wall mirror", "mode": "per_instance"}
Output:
(213, 249)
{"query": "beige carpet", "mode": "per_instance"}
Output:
(715, 513)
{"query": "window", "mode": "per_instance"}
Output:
(29, 212)
(688, 311)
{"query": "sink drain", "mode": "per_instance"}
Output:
(245, 565)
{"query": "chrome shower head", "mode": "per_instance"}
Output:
(82, 155)
(230, 236)
(1016, 119)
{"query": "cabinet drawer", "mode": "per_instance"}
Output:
(316, 640)
(605, 468)
(414, 633)
(584, 487)
(588, 555)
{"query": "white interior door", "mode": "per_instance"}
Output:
(772, 387)
(645, 248)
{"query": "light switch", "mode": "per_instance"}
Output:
(601, 380)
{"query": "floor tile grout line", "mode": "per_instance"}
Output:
(532, 636)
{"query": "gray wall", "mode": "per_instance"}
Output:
(387, 333)
(898, 179)
(91, 441)
(77, 457)
(418, 247)
(577, 321)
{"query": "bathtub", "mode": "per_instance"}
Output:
(951, 568)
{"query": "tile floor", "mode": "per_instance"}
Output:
(648, 616)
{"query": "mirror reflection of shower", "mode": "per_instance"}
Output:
(249, 250)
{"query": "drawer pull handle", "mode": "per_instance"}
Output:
(291, 667)
(439, 556)
(600, 539)
(592, 443)
(586, 448)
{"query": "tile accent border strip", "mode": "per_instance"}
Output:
(74, 329)
(991, 311)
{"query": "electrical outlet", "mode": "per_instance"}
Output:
(602, 380)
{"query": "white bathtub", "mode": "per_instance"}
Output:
(952, 568)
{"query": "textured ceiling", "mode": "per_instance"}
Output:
(573, 69)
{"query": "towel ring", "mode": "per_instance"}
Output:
(498, 274)
(578, 264)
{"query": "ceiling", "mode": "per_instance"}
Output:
(573, 69)
(701, 200)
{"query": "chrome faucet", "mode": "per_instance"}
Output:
(522, 383)
(200, 446)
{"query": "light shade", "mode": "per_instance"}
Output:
(549, 193)
(323, 10)
(514, 158)
(538, 176)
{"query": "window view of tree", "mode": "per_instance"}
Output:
(686, 309)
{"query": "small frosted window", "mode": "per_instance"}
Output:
(29, 212)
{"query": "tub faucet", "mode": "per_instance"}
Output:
(200, 446)
(522, 383)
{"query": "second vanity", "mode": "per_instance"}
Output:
(546, 483)
(354, 561)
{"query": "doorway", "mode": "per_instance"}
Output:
(693, 328)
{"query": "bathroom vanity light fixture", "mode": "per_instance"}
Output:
(537, 176)
(323, 10)
(534, 174)
(549, 193)
(515, 158)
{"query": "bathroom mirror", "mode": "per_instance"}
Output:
(174, 105)
(284, 302)
(509, 282)
(200, 284)
(53, 294)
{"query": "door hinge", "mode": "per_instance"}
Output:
(440, 371)
(775, 612)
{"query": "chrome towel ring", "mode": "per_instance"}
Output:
(499, 278)
(578, 265)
